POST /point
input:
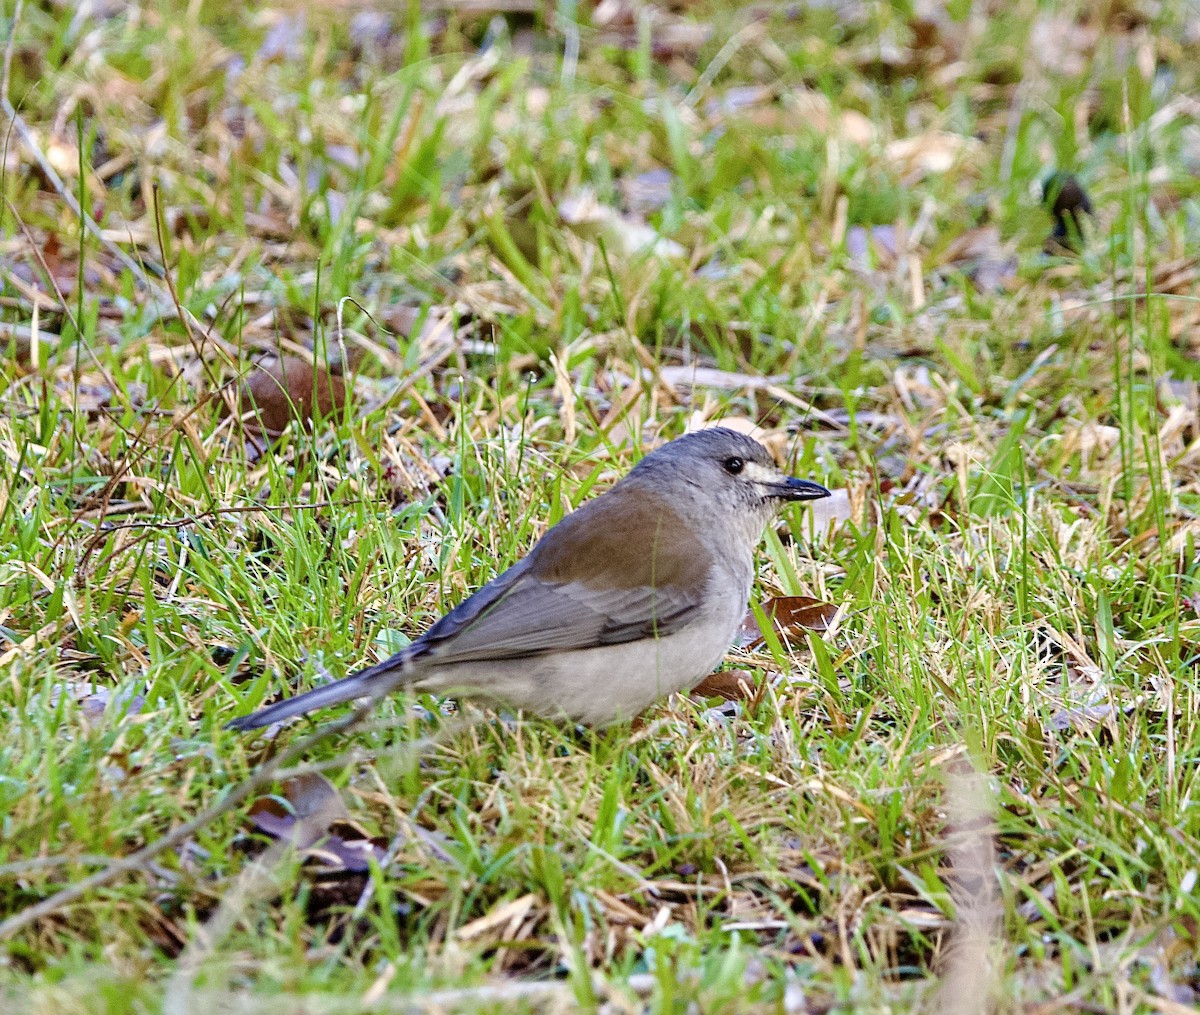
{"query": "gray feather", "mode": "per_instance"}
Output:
(374, 681)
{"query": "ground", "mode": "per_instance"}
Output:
(363, 298)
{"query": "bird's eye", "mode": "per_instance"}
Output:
(733, 465)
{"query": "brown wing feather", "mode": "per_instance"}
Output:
(605, 575)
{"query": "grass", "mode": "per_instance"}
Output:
(389, 190)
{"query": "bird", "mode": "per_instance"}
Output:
(635, 595)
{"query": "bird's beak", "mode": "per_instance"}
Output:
(791, 488)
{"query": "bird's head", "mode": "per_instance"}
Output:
(719, 470)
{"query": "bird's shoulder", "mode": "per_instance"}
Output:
(638, 540)
(615, 570)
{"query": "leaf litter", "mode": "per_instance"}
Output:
(789, 617)
(309, 813)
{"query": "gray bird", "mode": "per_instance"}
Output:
(635, 595)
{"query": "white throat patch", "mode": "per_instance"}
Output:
(760, 474)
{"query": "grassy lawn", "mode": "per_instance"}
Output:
(456, 268)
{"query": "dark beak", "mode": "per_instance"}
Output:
(797, 489)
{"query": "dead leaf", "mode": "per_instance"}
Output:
(87, 395)
(856, 128)
(1170, 963)
(372, 31)
(1078, 685)
(739, 98)
(732, 685)
(793, 110)
(828, 513)
(1063, 43)
(789, 615)
(438, 323)
(310, 804)
(288, 389)
(285, 37)
(1092, 441)
(310, 813)
(621, 22)
(347, 848)
(511, 913)
(95, 700)
(1082, 719)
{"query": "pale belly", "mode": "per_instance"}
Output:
(594, 686)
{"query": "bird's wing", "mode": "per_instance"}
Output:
(603, 577)
(530, 617)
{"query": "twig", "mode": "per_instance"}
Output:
(178, 523)
(38, 863)
(60, 188)
(255, 882)
(969, 979)
(136, 861)
(185, 316)
(263, 777)
(513, 995)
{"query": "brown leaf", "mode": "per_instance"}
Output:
(290, 388)
(436, 321)
(310, 805)
(732, 685)
(790, 615)
(347, 848)
(95, 700)
(313, 816)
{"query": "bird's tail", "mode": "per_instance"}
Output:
(373, 682)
